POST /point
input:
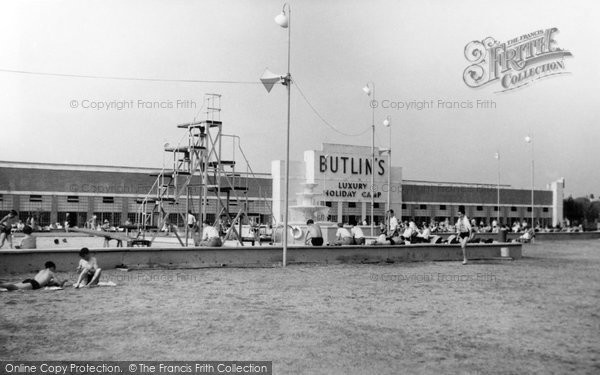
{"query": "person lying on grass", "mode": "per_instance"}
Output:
(45, 277)
(88, 268)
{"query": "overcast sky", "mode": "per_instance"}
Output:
(412, 50)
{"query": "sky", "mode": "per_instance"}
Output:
(410, 50)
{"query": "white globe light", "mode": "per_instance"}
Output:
(387, 122)
(282, 20)
(528, 139)
(367, 90)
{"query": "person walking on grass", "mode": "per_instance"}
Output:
(464, 231)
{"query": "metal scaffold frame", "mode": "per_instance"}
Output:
(198, 170)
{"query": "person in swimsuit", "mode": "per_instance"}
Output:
(88, 268)
(45, 277)
(6, 224)
(314, 235)
(464, 231)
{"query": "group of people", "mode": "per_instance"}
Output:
(394, 233)
(87, 269)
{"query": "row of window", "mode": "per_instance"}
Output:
(350, 204)
(443, 207)
(70, 199)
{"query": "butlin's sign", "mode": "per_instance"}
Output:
(345, 173)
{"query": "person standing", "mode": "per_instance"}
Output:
(393, 224)
(191, 219)
(6, 227)
(464, 231)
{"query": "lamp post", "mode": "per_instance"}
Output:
(497, 156)
(369, 89)
(284, 20)
(529, 139)
(388, 124)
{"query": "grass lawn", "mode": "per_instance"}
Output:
(539, 314)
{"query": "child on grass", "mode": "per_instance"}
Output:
(45, 277)
(88, 268)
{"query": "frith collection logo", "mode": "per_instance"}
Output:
(515, 63)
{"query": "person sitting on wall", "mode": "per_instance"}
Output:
(410, 233)
(314, 235)
(424, 235)
(210, 236)
(45, 277)
(527, 236)
(343, 236)
(516, 228)
(357, 233)
(28, 242)
(382, 238)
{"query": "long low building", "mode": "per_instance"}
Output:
(338, 177)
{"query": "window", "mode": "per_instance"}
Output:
(328, 204)
(353, 205)
(528, 209)
(479, 208)
(513, 209)
(545, 209)
(73, 199)
(403, 206)
(1, 198)
(376, 205)
(422, 207)
(35, 198)
(108, 200)
(442, 207)
(496, 208)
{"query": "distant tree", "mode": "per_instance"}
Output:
(581, 210)
(572, 210)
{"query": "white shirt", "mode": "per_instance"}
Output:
(343, 233)
(209, 232)
(393, 223)
(191, 219)
(357, 232)
(426, 233)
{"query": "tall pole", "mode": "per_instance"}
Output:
(532, 188)
(373, 104)
(288, 82)
(389, 195)
(498, 188)
(388, 123)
